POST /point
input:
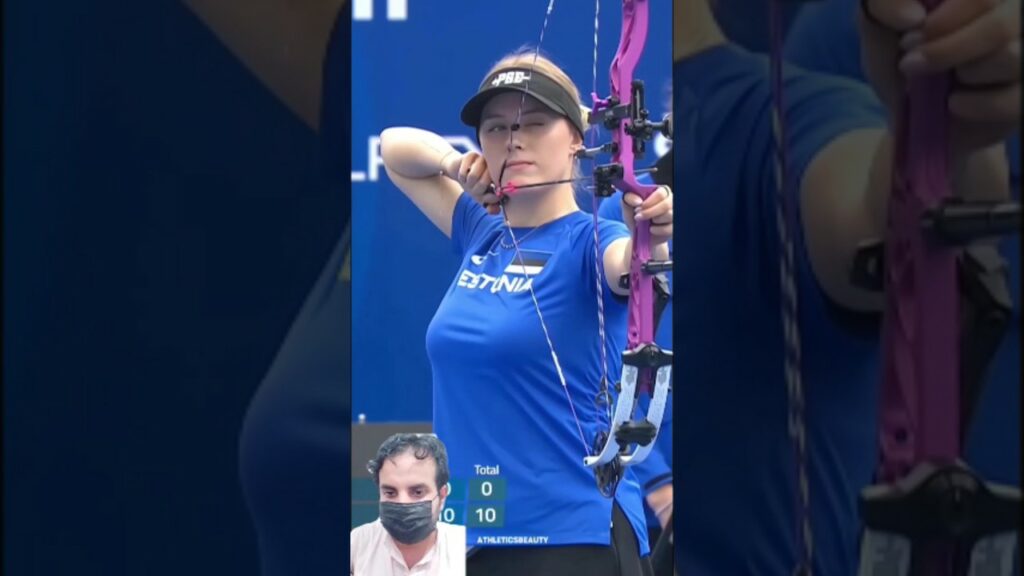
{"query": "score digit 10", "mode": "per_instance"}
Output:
(486, 516)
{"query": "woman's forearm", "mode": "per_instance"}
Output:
(618, 262)
(415, 153)
(845, 200)
(982, 176)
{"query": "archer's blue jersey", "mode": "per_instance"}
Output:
(498, 401)
(824, 37)
(734, 459)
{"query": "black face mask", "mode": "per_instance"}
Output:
(408, 523)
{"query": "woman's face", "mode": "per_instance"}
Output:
(541, 150)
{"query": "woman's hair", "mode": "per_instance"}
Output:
(523, 57)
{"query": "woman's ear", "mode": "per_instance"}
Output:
(577, 143)
(585, 114)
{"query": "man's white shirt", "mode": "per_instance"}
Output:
(374, 553)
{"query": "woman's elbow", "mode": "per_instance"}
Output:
(390, 139)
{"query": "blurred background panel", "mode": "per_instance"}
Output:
(164, 217)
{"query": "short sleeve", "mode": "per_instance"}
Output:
(823, 37)
(820, 108)
(470, 223)
(608, 232)
(726, 158)
(611, 207)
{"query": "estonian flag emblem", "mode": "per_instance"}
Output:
(531, 265)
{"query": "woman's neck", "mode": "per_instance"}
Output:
(695, 29)
(533, 208)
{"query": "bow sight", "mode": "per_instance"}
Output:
(610, 113)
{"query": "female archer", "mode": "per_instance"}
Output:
(515, 345)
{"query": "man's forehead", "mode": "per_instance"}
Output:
(406, 468)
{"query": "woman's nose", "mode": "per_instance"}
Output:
(514, 143)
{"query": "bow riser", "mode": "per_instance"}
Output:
(631, 44)
(921, 332)
(646, 369)
(932, 515)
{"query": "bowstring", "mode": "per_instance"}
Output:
(515, 242)
(796, 425)
(603, 395)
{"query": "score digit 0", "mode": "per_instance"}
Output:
(489, 489)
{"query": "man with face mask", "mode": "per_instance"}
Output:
(411, 473)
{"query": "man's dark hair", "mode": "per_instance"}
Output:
(420, 445)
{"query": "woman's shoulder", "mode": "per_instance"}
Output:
(579, 227)
(581, 236)
(471, 224)
(582, 221)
